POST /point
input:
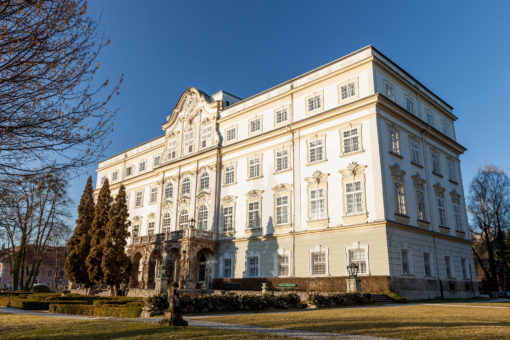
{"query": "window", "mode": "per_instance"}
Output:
(188, 141)
(400, 198)
(415, 151)
(446, 127)
(166, 222)
(228, 218)
(448, 266)
(452, 174)
(317, 204)
(172, 148)
(353, 197)
(255, 125)
(405, 262)
(426, 264)
(458, 218)
(138, 199)
(254, 168)
(410, 105)
(395, 140)
(103, 179)
(150, 228)
(420, 204)
(204, 181)
(281, 116)
(463, 266)
(141, 166)
(283, 265)
(183, 219)
(169, 190)
(136, 230)
(186, 186)
(319, 262)
(253, 266)
(206, 136)
(314, 103)
(129, 171)
(430, 118)
(351, 140)
(282, 160)
(115, 176)
(227, 267)
(316, 151)
(348, 90)
(389, 90)
(231, 134)
(154, 195)
(156, 160)
(436, 162)
(441, 211)
(253, 215)
(282, 210)
(202, 218)
(229, 174)
(358, 257)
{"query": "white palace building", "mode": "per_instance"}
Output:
(352, 162)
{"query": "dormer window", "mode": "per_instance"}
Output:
(172, 149)
(206, 137)
(188, 141)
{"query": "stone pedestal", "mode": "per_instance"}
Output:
(264, 288)
(353, 285)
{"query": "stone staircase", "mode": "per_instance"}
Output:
(381, 299)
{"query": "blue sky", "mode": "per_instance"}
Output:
(458, 49)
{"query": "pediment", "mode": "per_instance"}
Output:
(191, 103)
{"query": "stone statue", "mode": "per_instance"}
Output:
(174, 314)
(162, 271)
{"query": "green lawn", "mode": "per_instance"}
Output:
(405, 322)
(39, 327)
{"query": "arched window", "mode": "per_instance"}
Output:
(202, 218)
(186, 186)
(166, 223)
(169, 190)
(183, 219)
(204, 181)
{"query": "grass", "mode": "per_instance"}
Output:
(405, 322)
(39, 327)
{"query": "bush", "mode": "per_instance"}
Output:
(41, 289)
(117, 311)
(397, 298)
(337, 300)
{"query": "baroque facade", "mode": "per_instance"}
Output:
(353, 162)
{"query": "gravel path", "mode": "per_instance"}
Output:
(196, 322)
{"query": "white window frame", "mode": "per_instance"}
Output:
(166, 222)
(421, 206)
(135, 231)
(388, 90)
(314, 102)
(129, 171)
(254, 214)
(458, 217)
(436, 162)
(280, 114)
(349, 255)
(172, 149)
(400, 198)
(452, 171)
(249, 266)
(410, 105)
(445, 127)
(255, 167)
(317, 150)
(430, 118)
(139, 199)
(206, 136)
(230, 174)
(183, 219)
(203, 217)
(441, 211)
(255, 125)
(319, 250)
(394, 133)
(354, 197)
(151, 228)
(231, 267)
(154, 195)
(227, 220)
(348, 90)
(231, 134)
(186, 181)
(156, 161)
(415, 148)
(115, 176)
(189, 141)
(204, 181)
(320, 213)
(282, 209)
(169, 190)
(281, 160)
(351, 140)
(280, 255)
(142, 166)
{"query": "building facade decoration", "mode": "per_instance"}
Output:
(298, 182)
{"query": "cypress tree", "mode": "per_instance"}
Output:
(97, 234)
(116, 265)
(78, 245)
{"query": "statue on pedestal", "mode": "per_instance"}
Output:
(174, 314)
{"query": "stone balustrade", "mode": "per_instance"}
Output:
(174, 236)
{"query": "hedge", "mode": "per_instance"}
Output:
(337, 300)
(119, 311)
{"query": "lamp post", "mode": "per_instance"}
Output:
(353, 283)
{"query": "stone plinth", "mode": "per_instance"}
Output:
(353, 285)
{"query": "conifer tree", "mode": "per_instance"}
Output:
(116, 265)
(78, 246)
(97, 234)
